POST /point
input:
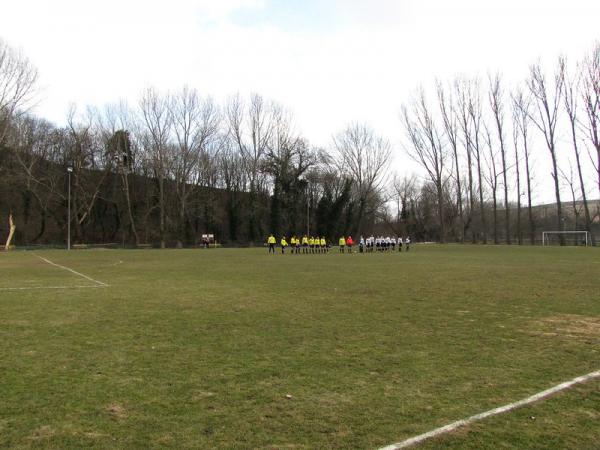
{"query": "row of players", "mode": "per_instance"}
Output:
(320, 245)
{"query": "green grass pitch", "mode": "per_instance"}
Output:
(240, 349)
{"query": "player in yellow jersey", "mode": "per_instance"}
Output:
(323, 245)
(283, 245)
(305, 244)
(271, 242)
(342, 244)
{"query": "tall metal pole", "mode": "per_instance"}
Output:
(307, 210)
(69, 170)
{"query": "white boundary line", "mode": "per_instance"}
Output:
(99, 283)
(50, 287)
(502, 409)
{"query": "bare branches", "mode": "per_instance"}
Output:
(364, 157)
(18, 78)
(547, 102)
(427, 148)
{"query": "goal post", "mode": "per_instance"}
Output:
(579, 237)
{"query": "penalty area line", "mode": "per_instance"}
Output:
(99, 283)
(492, 412)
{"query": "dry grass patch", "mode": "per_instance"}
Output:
(94, 434)
(43, 432)
(116, 412)
(571, 326)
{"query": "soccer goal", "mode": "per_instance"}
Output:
(568, 237)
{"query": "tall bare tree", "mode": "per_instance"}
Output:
(515, 138)
(450, 121)
(476, 117)
(234, 182)
(113, 123)
(18, 79)
(590, 92)
(547, 99)
(496, 100)
(195, 123)
(90, 163)
(251, 127)
(427, 149)
(522, 112)
(364, 157)
(463, 90)
(157, 122)
(571, 94)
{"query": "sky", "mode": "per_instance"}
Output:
(331, 62)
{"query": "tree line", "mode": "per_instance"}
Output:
(475, 140)
(175, 165)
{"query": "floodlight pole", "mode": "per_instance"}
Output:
(69, 170)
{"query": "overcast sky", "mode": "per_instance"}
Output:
(330, 61)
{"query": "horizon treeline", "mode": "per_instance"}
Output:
(176, 165)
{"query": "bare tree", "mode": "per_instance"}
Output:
(364, 157)
(287, 160)
(450, 121)
(464, 94)
(17, 85)
(475, 115)
(195, 124)
(18, 78)
(404, 189)
(522, 105)
(427, 149)
(515, 137)
(492, 179)
(157, 121)
(496, 100)
(570, 93)
(233, 176)
(91, 165)
(590, 92)
(38, 150)
(113, 124)
(547, 101)
(251, 128)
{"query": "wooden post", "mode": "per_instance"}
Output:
(11, 232)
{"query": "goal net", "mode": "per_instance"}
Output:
(581, 238)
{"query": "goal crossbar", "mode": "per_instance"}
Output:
(545, 235)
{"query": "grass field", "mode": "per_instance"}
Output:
(201, 349)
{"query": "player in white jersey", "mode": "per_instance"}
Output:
(393, 244)
(400, 243)
(407, 243)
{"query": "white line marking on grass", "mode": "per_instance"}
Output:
(99, 283)
(502, 409)
(97, 286)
